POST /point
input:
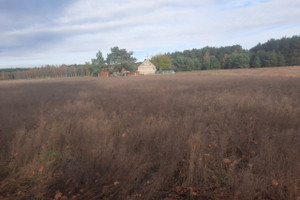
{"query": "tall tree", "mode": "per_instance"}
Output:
(268, 58)
(256, 61)
(162, 62)
(281, 59)
(98, 64)
(99, 60)
(237, 61)
(120, 58)
(182, 63)
(206, 64)
(214, 63)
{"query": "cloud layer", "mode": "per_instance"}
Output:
(36, 32)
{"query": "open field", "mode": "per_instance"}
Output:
(227, 134)
(291, 71)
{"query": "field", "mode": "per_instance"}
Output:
(227, 134)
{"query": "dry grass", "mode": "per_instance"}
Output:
(291, 71)
(185, 136)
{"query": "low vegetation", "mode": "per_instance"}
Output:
(194, 135)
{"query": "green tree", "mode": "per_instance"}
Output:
(268, 58)
(98, 64)
(295, 58)
(162, 62)
(287, 47)
(206, 64)
(241, 60)
(214, 63)
(120, 58)
(99, 61)
(256, 62)
(281, 59)
(182, 63)
(211, 63)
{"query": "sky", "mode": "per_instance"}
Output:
(39, 32)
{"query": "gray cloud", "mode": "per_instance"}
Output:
(146, 27)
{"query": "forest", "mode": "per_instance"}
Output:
(275, 52)
(282, 52)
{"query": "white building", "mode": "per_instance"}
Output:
(146, 68)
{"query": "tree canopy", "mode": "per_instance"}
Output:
(205, 58)
(99, 60)
(121, 58)
(237, 61)
(98, 64)
(162, 62)
(284, 51)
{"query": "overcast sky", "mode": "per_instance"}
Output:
(40, 32)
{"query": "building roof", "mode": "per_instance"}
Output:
(147, 63)
(147, 67)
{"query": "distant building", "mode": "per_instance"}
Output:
(146, 68)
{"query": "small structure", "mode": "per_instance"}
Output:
(146, 68)
(135, 73)
(165, 72)
(104, 74)
(125, 73)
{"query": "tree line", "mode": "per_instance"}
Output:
(280, 52)
(285, 51)
(45, 72)
(117, 60)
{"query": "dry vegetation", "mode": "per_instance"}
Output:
(186, 136)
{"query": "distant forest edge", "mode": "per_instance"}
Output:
(281, 52)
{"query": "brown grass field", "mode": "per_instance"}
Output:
(226, 134)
